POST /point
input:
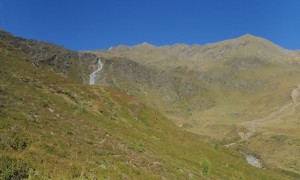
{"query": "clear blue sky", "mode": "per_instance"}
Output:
(99, 24)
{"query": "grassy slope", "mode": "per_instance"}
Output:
(261, 76)
(270, 73)
(61, 129)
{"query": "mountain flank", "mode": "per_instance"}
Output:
(218, 90)
(140, 120)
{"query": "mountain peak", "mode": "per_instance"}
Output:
(145, 44)
(250, 37)
(254, 41)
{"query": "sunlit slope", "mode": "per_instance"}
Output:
(239, 79)
(227, 84)
(204, 57)
(53, 127)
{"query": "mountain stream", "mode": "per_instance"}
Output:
(93, 74)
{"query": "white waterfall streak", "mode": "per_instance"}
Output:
(93, 75)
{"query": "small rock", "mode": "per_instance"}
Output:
(191, 175)
(253, 161)
(102, 166)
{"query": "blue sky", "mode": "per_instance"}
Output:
(99, 24)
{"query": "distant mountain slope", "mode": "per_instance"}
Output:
(247, 65)
(198, 57)
(225, 83)
(52, 127)
(162, 89)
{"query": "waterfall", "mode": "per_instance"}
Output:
(93, 74)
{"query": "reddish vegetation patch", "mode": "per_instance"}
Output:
(128, 99)
(124, 97)
(117, 95)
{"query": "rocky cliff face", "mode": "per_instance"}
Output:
(69, 63)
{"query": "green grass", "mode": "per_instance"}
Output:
(51, 127)
(237, 80)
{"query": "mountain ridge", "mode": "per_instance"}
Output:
(212, 91)
(241, 79)
(242, 37)
(194, 57)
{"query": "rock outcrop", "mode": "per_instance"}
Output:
(296, 94)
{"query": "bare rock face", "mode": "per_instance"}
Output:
(296, 94)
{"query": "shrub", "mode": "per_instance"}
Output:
(205, 165)
(12, 168)
(13, 142)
